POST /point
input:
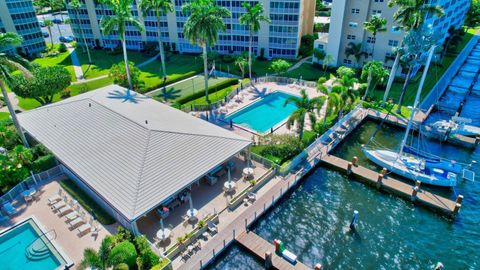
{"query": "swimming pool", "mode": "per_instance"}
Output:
(22, 248)
(264, 114)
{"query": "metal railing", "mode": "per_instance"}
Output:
(34, 180)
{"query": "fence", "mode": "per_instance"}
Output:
(236, 91)
(442, 84)
(34, 180)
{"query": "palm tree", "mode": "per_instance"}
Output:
(241, 62)
(161, 8)
(252, 18)
(355, 50)
(122, 15)
(327, 60)
(410, 15)
(375, 25)
(305, 106)
(455, 36)
(334, 101)
(97, 260)
(76, 5)
(202, 27)
(374, 72)
(49, 24)
(7, 63)
(345, 87)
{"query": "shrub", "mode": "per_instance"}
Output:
(124, 252)
(227, 58)
(121, 266)
(40, 150)
(306, 45)
(211, 89)
(43, 163)
(62, 48)
(162, 264)
(148, 259)
(282, 146)
(65, 93)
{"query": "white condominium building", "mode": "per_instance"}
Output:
(18, 16)
(346, 26)
(291, 19)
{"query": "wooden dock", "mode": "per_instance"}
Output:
(259, 246)
(433, 201)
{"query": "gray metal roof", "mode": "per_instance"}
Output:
(133, 154)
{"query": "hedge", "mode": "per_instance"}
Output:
(124, 252)
(170, 81)
(211, 89)
(43, 163)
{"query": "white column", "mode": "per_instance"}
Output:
(135, 230)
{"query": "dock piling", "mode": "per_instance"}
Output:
(384, 171)
(416, 188)
(318, 267)
(349, 168)
(379, 180)
(268, 260)
(355, 161)
(354, 220)
(459, 199)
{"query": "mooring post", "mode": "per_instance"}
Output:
(456, 209)
(416, 188)
(354, 220)
(379, 180)
(384, 171)
(355, 161)
(318, 266)
(268, 260)
(459, 199)
(349, 168)
(246, 227)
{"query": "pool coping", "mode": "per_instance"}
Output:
(272, 129)
(68, 262)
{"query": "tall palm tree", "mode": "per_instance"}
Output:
(76, 5)
(327, 60)
(375, 25)
(122, 16)
(7, 63)
(252, 18)
(202, 27)
(345, 87)
(410, 15)
(98, 260)
(355, 50)
(161, 8)
(241, 62)
(305, 106)
(334, 101)
(49, 24)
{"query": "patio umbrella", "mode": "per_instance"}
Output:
(161, 224)
(229, 177)
(191, 203)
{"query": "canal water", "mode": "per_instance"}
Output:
(391, 234)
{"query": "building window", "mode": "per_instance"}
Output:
(355, 10)
(347, 61)
(371, 40)
(393, 43)
(376, 12)
(353, 24)
(351, 37)
(320, 46)
(396, 29)
(378, 1)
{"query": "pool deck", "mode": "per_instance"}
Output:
(253, 94)
(68, 241)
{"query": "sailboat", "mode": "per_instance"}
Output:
(457, 125)
(412, 163)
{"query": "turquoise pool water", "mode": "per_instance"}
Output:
(265, 113)
(17, 251)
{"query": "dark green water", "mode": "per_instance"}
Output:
(391, 234)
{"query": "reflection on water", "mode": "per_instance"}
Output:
(392, 233)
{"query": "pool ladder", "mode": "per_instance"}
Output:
(38, 249)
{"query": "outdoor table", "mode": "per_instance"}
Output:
(229, 185)
(192, 213)
(190, 248)
(163, 234)
(248, 172)
(205, 235)
(29, 192)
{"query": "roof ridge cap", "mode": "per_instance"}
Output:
(140, 173)
(202, 135)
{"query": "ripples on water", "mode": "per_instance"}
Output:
(392, 233)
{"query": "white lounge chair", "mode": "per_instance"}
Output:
(212, 228)
(73, 215)
(58, 205)
(67, 208)
(56, 198)
(9, 209)
(96, 228)
(85, 228)
(77, 222)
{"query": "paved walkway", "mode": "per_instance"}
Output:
(77, 67)
(299, 63)
(14, 100)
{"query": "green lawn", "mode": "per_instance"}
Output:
(185, 88)
(61, 59)
(103, 60)
(308, 72)
(434, 74)
(4, 116)
(75, 89)
(216, 96)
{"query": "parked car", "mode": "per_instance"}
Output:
(66, 39)
(42, 24)
(45, 34)
(57, 21)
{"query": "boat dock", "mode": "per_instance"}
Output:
(385, 183)
(260, 247)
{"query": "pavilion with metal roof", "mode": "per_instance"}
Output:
(129, 152)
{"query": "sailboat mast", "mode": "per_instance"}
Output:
(417, 99)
